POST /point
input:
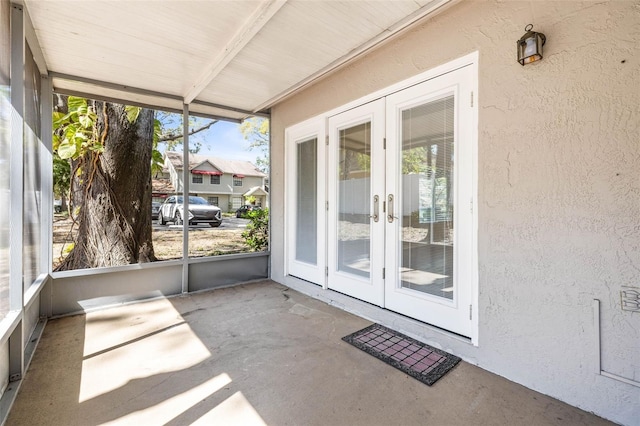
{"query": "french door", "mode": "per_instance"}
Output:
(429, 180)
(400, 228)
(356, 228)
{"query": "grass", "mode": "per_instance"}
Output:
(167, 243)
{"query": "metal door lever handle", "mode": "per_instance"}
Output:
(376, 208)
(390, 215)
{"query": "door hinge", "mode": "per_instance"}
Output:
(471, 205)
(384, 273)
(470, 312)
(384, 143)
(326, 204)
(326, 140)
(326, 271)
(472, 99)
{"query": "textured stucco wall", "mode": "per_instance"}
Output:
(558, 185)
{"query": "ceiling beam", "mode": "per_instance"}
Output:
(258, 19)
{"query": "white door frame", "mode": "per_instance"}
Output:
(371, 288)
(321, 121)
(453, 314)
(302, 132)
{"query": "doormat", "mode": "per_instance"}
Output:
(414, 358)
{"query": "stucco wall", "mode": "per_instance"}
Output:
(558, 185)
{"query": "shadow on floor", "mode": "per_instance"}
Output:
(252, 354)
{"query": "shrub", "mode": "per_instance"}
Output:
(256, 235)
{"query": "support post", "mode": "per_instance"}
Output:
(16, 290)
(185, 198)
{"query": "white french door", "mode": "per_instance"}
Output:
(430, 233)
(355, 237)
(400, 180)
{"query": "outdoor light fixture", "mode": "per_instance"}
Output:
(530, 46)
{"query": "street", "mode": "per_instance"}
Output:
(227, 223)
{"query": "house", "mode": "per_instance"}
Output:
(162, 188)
(420, 176)
(227, 184)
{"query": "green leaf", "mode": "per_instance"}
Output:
(132, 113)
(85, 121)
(69, 132)
(75, 103)
(82, 110)
(58, 118)
(56, 142)
(66, 149)
(157, 132)
(68, 248)
(157, 156)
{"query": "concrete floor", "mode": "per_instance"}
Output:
(253, 354)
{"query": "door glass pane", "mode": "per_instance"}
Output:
(307, 206)
(354, 193)
(427, 193)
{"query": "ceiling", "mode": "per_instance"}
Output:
(224, 58)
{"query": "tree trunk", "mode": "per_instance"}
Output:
(111, 196)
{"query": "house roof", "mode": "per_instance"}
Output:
(161, 186)
(223, 58)
(256, 190)
(235, 167)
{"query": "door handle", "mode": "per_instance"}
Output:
(390, 215)
(376, 208)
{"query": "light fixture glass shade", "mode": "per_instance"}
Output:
(530, 46)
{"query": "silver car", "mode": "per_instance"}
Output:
(200, 211)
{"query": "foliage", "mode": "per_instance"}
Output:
(61, 177)
(256, 131)
(171, 131)
(74, 132)
(74, 135)
(415, 161)
(256, 235)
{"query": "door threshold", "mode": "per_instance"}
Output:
(433, 335)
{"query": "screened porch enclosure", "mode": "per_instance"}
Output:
(189, 59)
(419, 177)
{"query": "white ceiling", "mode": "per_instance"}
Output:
(224, 58)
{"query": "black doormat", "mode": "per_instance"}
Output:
(414, 358)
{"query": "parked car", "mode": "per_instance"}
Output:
(243, 210)
(200, 211)
(155, 209)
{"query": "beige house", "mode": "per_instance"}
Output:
(227, 184)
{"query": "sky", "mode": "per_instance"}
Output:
(224, 140)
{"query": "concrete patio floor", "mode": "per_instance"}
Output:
(253, 354)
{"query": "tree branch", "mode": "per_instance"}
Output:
(173, 136)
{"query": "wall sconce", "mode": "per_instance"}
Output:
(530, 46)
